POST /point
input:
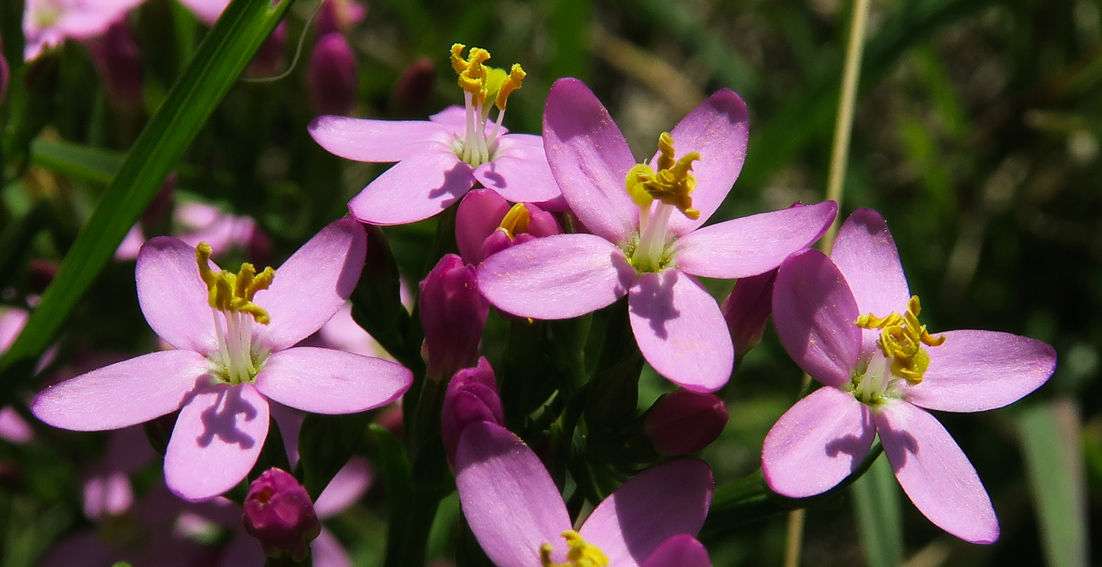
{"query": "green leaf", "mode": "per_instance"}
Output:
(1054, 463)
(74, 160)
(224, 53)
(879, 518)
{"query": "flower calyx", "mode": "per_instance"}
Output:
(671, 183)
(230, 292)
(901, 340)
(579, 553)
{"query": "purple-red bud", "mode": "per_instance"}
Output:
(5, 74)
(280, 514)
(338, 16)
(269, 57)
(414, 86)
(685, 422)
(333, 76)
(479, 218)
(119, 61)
(747, 308)
(453, 313)
(471, 397)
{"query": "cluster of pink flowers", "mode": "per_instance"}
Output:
(555, 227)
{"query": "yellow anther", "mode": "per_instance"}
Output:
(509, 84)
(671, 184)
(230, 292)
(482, 81)
(579, 553)
(516, 221)
(901, 339)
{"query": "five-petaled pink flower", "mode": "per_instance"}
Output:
(48, 23)
(852, 324)
(520, 520)
(646, 233)
(439, 160)
(234, 336)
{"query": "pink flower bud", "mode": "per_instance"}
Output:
(685, 422)
(414, 87)
(471, 397)
(747, 309)
(269, 57)
(119, 61)
(333, 76)
(453, 313)
(279, 513)
(5, 75)
(485, 224)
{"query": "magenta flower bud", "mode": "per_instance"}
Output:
(685, 422)
(279, 513)
(486, 224)
(471, 397)
(747, 308)
(338, 16)
(269, 57)
(119, 61)
(5, 75)
(333, 76)
(453, 313)
(414, 86)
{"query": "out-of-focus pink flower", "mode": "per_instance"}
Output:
(333, 75)
(453, 313)
(851, 323)
(684, 422)
(48, 23)
(199, 222)
(206, 10)
(441, 159)
(233, 337)
(107, 488)
(520, 520)
(279, 513)
(120, 64)
(485, 223)
(13, 428)
(648, 241)
(339, 16)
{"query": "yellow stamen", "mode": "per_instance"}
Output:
(516, 221)
(579, 553)
(231, 292)
(901, 339)
(671, 184)
(482, 81)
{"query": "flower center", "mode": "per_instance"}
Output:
(658, 194)
(481, 83)
(516, 221)
(579, 553)
(231, 297)
(901, 340)
(45, 14)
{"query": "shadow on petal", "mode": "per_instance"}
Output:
(457, 181)
(901, 445)
(655, 301)
(220, 420)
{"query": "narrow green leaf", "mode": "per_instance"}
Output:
(879, 518)
(76, 161)
(224, 53)
(1054, 463)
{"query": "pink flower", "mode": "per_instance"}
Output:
(198, 222)
(440, 160)
(520, 520)
(648, 244)
(485, 223)
(48, 23)
(230, 358)
(851, 323)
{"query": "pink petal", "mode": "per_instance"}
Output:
(866, 255)
(13, 428)
(173, 297)
(345, 488)
(556, 277)
(935, 474)
(718, 129)
(982, 370)
(479, 214)
(508, 498)
(416, 188)
(206, 10)
(131, 244)
(312, 284)
(327, 551)
(378, 141)
(123, 394)
(519, 172)
(752, 245)
(649, 509)
(817, 443)
(680, 330)
(321, 380)
(679, 551)
(107, 494)
(815, 315)
(216, 441)
(590, 160)
(11, 324)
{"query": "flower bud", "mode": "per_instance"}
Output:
(333, 76)
(453, 313)
(485, 224)
(279, 513)
(471, 397)
(414, 87)
(268, 58)
(338, 16)
(747, 308)
(119, 61)
(685, 422)
(5, 75)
